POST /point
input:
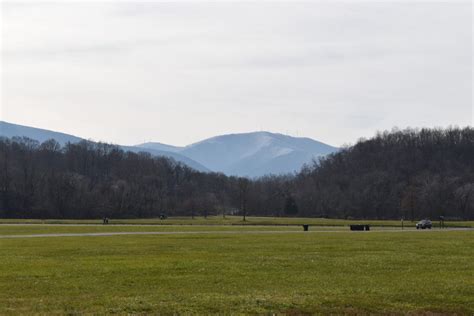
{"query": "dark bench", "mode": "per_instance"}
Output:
(359, 227)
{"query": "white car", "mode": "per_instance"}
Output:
(426, 223)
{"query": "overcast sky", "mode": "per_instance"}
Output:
(128, 72)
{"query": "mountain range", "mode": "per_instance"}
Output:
(247, 154)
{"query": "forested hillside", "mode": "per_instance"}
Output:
(410, 174)
(87, 180)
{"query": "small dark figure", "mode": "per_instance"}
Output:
(105, 221)
(441, 222)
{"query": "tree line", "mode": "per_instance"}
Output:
(410, 173)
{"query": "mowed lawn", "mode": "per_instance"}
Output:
(36, 229)
(314, 272)
(237, 220)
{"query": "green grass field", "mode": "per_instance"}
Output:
(237, 220)
(70, 228)
(33, 229)
(338, 271)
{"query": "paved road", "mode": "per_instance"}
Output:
(220, 232)
(146, 225)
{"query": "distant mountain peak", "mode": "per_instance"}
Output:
(250, 154)
(255, 154)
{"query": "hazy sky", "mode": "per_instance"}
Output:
(128, 71)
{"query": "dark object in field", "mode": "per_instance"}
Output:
(425, 223)
(360, 227)
(105, 220)
(163, 216)
(441, 222)
(305, 227)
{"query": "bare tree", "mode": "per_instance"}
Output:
(243, 194)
